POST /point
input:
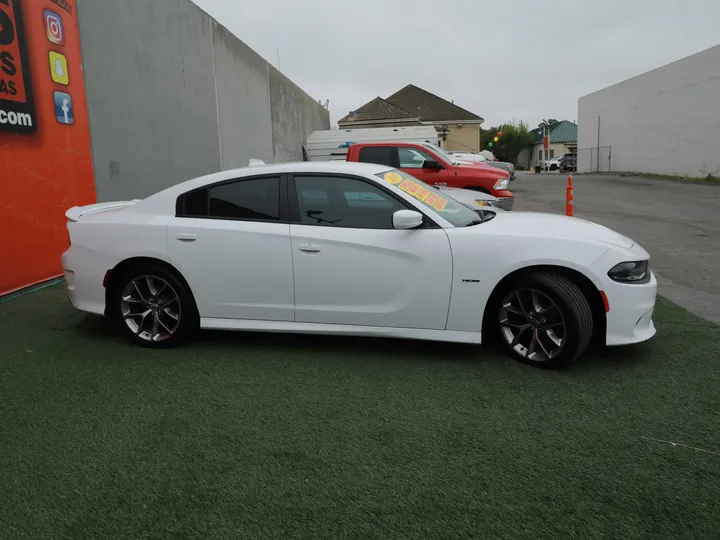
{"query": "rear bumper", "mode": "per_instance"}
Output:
(84, 274)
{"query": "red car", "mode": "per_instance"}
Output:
(433, 166)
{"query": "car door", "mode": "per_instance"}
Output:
(352, 267)
(231, 242)
(412, 161)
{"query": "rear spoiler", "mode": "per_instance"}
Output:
(76, 212)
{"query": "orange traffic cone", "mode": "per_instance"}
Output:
(569, 198)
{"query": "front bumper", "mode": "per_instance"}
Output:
(631, 308)
(506, 203)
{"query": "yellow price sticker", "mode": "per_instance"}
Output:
(393, 178)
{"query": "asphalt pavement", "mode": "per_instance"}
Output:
(677, 222)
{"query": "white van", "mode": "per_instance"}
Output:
(332, 145)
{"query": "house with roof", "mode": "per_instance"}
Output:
(563, 140)
(412, 106)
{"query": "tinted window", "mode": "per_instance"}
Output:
(382, 155)
(194, 204)
(344, 202)
(254, 199)
(412, 158)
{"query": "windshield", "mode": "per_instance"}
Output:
(433, 199)
(442, 153)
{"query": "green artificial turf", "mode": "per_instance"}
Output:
(253, 436)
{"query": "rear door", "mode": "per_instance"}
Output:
(231, 242)
(352, 267)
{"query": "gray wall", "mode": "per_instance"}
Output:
(172, 95)
(666, 121)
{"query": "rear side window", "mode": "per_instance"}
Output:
(382, 155)
(255, 199)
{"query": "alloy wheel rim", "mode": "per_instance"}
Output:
(150, 307)
(532, 324)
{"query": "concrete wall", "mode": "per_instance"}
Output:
(666, 121)
(172, 95)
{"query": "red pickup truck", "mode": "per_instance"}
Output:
(430, 164)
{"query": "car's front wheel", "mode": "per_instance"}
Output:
(153, 307)
(544, 320)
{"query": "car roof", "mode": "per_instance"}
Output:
(331, 167)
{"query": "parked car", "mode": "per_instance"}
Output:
(552, 164)
(464, 157)
(354, 249)
(568, 162)
(473, 199)
(433, 166)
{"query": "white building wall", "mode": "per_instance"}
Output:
(666, 121)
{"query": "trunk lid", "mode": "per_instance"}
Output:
(77, 212)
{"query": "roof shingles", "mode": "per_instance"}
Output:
(562, 132)
(429, 107)
(377, 109)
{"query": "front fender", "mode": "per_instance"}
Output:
(480, 262)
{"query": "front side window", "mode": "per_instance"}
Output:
(344, 202)
(412, 158)
(433, 199)
(441, 153)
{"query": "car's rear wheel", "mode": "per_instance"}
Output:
(544, 320)
(153, 307)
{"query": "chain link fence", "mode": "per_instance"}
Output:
(597, 159)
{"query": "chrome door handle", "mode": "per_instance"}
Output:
(309, 248)
(186, 237)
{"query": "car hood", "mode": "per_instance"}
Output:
(467, 195)
(470, 166)
(560, 227)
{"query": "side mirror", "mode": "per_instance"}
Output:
(432, 164)
(407, 219)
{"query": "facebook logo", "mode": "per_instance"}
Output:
(63, 108)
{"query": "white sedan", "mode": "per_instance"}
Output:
(354, 249)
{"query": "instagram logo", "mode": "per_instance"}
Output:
(54, 27)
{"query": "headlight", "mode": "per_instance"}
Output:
(482, 203)
(630, 272)
(501, 184)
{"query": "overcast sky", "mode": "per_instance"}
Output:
(508, 59)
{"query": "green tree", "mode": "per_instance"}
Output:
(514, 138)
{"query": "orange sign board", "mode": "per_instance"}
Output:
(546, 142)
(45, 156)
(16, 105)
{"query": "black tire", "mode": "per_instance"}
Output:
(188, 320)
(572, 306)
